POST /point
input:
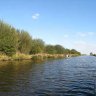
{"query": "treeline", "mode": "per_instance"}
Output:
(14, 41)
(92, 54)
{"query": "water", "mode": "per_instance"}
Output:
(64, 77)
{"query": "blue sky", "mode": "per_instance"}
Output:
(71, 23)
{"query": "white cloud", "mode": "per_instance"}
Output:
(35, 16)
(85, 34)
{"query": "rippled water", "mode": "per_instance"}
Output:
(64, 77)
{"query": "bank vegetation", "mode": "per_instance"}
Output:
(18, 44)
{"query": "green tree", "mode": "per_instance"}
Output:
(13, 40)
(50, 49)
(73, 51)
(38, 46)
(25, 42)
(59, 49)
(8, 39)
(67, 51)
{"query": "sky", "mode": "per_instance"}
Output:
(70, 23)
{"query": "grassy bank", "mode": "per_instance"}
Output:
(41, 57)
(35, 57)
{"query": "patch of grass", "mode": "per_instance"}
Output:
(19, 56)
(36, 57)
(4, 57)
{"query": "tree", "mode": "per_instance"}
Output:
(73, 51)
(67, 51)
(25, 42)
(91, 54)
(13, 40)
(38, 46)
(50, 49)
(59, 49)
(8, 39)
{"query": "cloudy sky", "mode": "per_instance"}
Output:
(71, 23)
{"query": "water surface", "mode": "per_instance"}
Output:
(64, 77)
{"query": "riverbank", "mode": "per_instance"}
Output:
(34, 57)
(28, 57)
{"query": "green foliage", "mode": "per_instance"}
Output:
(38, 46)
(73, 51)
(25, 41)
(50, 49)
(14, 41)
(8, 39)
(59, 49)
(67, 51)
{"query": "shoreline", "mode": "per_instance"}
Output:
(34, 57)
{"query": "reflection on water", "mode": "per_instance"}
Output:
(64, 77)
